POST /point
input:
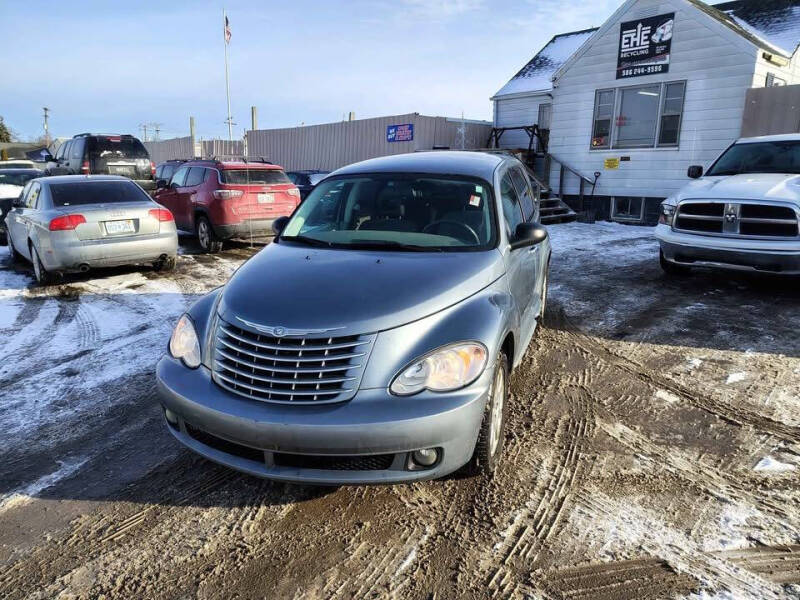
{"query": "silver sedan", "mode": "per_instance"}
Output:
(74, 223)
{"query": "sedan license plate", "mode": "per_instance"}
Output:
(117, 227)
(266, 199)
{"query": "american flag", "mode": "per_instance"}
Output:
(227, 31)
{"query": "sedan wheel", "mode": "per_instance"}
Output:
(15, 256)
(489, 446)
(42, 275)
(543, 302)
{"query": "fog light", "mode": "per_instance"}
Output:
(172, 418)
(426, 457)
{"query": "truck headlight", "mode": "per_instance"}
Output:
(443, 370)
(667, 215)
(184, 343)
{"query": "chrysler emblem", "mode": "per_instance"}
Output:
(731, 217)
(280, 331)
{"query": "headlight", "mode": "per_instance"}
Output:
(443, 370)
(184, 344)
(667, 214)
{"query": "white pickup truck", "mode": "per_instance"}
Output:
(741, 214)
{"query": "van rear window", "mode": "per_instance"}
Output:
(116, 147)
(253, 176)
(96, 192)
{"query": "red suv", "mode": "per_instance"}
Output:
(221, 200)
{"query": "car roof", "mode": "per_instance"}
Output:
(21, 170)
(784, 137)
(310, 171)
(441, 162)
(81, 178)
(232, 164)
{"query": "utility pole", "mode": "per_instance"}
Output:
(157, 129)
(225, 41)
(143, 127)
(253, 118)
(46, 127)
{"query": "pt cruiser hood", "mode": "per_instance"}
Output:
(749, 186)
(352, 291)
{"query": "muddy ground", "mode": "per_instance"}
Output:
(652, 451)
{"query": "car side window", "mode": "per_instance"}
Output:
(23, 195)
(195, 176)
(209, 174)
(292, 177)
(32, 200)
(511, 208)
(524, 191)
(179, 177)
(76, 150)
(60, 151)
(65, 146)
(159, 171)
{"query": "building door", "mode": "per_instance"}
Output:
(545, 115)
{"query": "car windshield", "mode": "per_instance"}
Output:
(759, 157)
(96, 192)
(254, 176)
(315, 178)
(396, 212)
(12, 178)
(116, 147)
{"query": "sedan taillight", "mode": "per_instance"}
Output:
(66, 222)
(161, 214)
(227, 194)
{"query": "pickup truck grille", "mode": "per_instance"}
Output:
(737, 219)
(289, 370)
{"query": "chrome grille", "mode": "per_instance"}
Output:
(749, 219)
(289, 370)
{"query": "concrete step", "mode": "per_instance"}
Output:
(555, 210)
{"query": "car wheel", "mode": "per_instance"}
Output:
(543, 297)
(206, 236)
(15, 256)
(43, 276)
(489, 446)
(671, 268)
(165, 264)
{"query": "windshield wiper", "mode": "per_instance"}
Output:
(308, 241)
(382, 244)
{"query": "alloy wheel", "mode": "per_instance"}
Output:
(203, 234)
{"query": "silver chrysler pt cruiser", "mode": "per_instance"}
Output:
(372, 341)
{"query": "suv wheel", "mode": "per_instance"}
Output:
(671, 268)
(489, 446)
(43, 276)
(206, 236)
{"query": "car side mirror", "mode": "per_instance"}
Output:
(17, 202)
(695, 172)
(173, 186)
(279, 224)
(161, 183)
(528, 234)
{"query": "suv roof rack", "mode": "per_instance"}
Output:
(244, 159)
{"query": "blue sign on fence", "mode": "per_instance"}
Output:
(400, 133)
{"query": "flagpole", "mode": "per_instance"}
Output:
(227, 83)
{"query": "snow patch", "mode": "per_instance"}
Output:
(667, 396)
(693, 363)
(772, 465)
(24, 495)
(736, 378)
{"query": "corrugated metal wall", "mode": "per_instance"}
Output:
(771, 110)
(169, 149)
(221, 148)
(333, 145)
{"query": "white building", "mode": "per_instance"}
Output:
(658, 87)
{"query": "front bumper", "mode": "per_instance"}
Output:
(372, 424)
(764, 255)
(253, 227)
(69, 253)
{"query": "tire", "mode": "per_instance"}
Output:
(166, 264)
(543, 302)
(489, 446)
(43, 276)
(16, 257)
(671, 268)
(209, 242)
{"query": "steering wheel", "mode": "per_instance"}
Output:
(463, 227)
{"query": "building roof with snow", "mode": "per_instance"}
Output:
(770, 24)
(536, 76)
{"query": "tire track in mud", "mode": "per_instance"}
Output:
(778, 564)
(738, 415)
(91, 536)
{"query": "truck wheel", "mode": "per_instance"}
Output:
(43, 276)
(489, 446)
(206, 236)
(671, 268)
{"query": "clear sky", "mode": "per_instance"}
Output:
(110, 66)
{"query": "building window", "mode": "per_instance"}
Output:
(646, 116)
(603, 113)
(627, 208)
